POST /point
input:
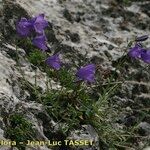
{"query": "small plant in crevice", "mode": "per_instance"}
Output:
(19, 130)
(36, 58)
(74, 103)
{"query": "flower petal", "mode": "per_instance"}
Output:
(40, 23)
(54, 61)
(86, 73)
(24, 27)
(40, 42)
(135, 52)
(145, 56)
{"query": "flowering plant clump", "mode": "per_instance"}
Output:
(73, 103)
(36, 25)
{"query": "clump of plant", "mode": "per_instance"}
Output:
(76, 102)
(20, 130)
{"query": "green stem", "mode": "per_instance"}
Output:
(35, 84)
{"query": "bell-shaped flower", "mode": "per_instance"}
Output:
(40, 41)
(135, 52)
(86, 73)
(145, 56)
(24, 27)
(39, 23)
(54, 61)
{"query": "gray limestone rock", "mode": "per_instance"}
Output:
(83, 30)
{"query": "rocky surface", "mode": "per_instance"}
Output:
(87, 30)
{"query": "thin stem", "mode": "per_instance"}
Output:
(35, 84)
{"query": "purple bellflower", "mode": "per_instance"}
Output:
(135, 52)
(138, 52)
(86, 73)
(39, 23)
(36, 24)
(145, 56)
(40, 41)
(24, 27)
(54, 61)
